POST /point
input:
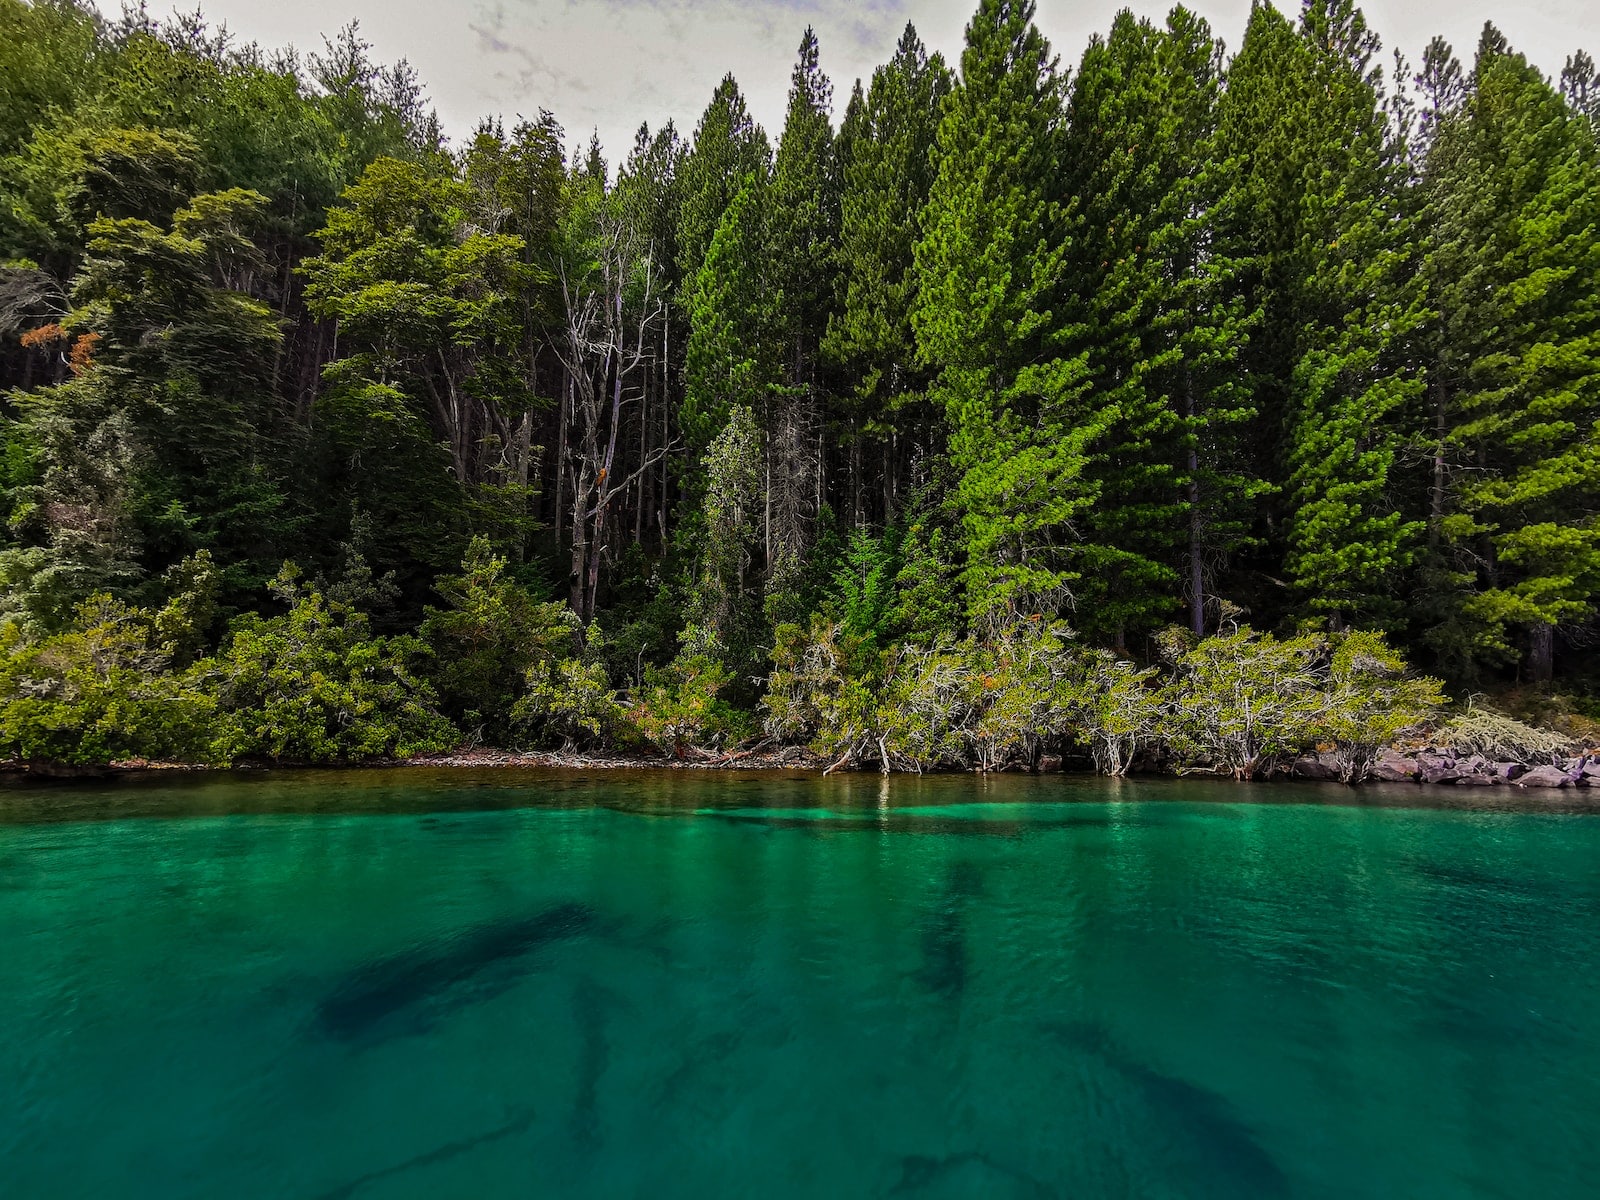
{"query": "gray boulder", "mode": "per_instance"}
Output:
(1311, 767)
(1544, 777)
(1509, 771)
(1394, 768)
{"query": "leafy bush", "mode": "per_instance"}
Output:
(102, 690)
(1022, 679)
(678, 706)
(1113, 709)
(1241, 702)
(316, 685)
(928, 709)
(1496, 737)
(571, 698)
(492, 633)
(1371, 700)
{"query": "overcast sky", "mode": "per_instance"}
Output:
(614, 63)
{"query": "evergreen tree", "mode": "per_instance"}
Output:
(991, 320)
(803, 233)
(728, 146)
(1515, 208)
(886, 146)
(1166, 326)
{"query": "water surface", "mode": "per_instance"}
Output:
(388, 985)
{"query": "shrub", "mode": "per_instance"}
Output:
(1371, 700)
(572, 698)
(488, 638)
(315, 685)
(102, 690)
(1243, 701)
(928, 709)
(678, 707)
(1479, 731)
(1113, 709)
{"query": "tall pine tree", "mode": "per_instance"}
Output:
(991, 322)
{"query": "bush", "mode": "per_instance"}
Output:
(1241, 702)
(102, 690)
(1371, 701)
(928, 709)
(315, 685)
(1496, 737)
(1113, 709)
(572, 698)
(488, 639)
(677, 708)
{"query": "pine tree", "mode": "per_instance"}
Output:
(1303, 121)
(734, 356)
(1515, 207)
(989, 320)
(728, 146)
(886, 143)
(1166, 327)
(803, 230)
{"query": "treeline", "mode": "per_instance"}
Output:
(1296, 336)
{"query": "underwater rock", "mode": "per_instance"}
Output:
(412, 980)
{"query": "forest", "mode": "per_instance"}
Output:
(1188, 404)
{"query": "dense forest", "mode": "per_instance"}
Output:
(999, 409)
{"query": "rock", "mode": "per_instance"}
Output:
(1049, 763)
(1544, 777)
(1441, 774)
(1473, 763)
(1479, 780)
(1509, 770)
(1394, 768)
(1311, 767)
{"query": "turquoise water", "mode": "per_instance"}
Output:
(380, 986)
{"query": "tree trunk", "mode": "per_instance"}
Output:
(1197, 582)
(1541, 652)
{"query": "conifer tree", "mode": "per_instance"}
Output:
(728, 145)
(1166, 325)
(991, 322)
(1515, 209)
(803, 233)
(886, 147)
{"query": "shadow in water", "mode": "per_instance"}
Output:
(589, 1002)
(463, 968)
(966, 1174)
(944, 936)
(442, 1154)
(1217, 1152)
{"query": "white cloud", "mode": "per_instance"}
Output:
(614, 63)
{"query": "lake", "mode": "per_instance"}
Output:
(386, 985)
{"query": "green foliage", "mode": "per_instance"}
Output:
(1244, 701)
(572, 698)
(993, 322)
(678, 708)
(316, 685)
(725, 599)
(1372, 701)
(1112, 707)
(105, 689)
(887, 166)
(489, 637)
(1500, 738)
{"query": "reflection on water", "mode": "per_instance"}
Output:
(388, 985)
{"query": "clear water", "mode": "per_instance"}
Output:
(397, 985)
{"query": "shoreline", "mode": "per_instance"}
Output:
(798, 761)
